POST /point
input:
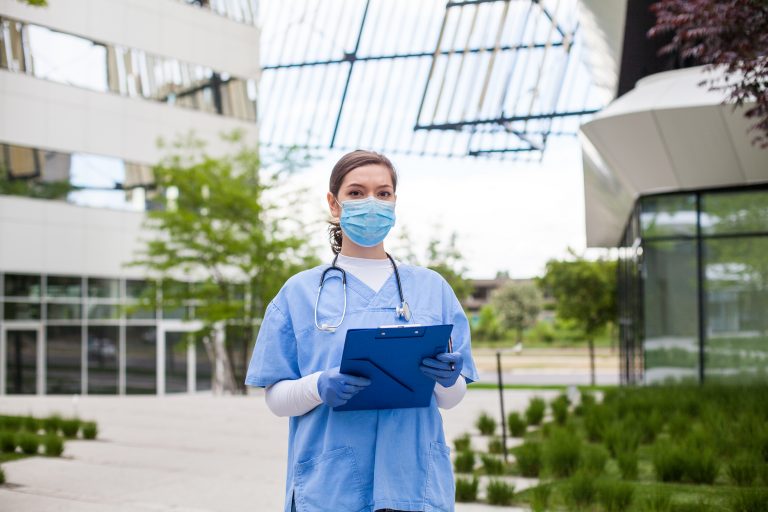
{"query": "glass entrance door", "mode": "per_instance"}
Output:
(176, 367)
(21, 361)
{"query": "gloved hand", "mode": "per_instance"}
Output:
(439, 368)
(337, 388)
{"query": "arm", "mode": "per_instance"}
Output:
(451, 396)
(294, 397)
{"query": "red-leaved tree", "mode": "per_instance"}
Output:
(732, 34)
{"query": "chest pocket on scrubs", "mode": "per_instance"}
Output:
(441, 488)
(330, 481)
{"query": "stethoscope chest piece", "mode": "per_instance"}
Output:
(404, 311)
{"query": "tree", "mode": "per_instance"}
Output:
(36, 3)
(222, 244)
(732, 34)
(585, 293)
(487, 327)
(517, 305)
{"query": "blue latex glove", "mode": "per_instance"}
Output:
(439, 368)
(337, 388)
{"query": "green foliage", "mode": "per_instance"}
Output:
(492, 465)
(53, 444)
(7, 442)
(90, 430)
(657, 500)
(540, 498)
(593, 460)
(495, 446)
(615, 496)
(529, 458)
(621, 437)
(628, 467)
(743, 469)
(581, 491)
(32, 187)
(51, 424)
(750, 500)
(499, 492)
(487, 326)
(517, 426)
(486, 424)
(464, 462)
(12, 423)
(230, 222)
(669, 462)
(28, 442)
(562, 452)
(560, 409)
(35, 3)
(31, 424)
(462, 443)
(542, 331)
(2, 476)
(70, 427)
(701, 465)
(535, 411)
(517, 305)
(466, 490)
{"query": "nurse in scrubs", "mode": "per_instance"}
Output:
(372, 460)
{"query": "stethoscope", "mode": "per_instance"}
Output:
(403, 311)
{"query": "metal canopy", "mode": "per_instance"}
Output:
(493, 78)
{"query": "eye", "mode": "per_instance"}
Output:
(385, 193)
(354, 193)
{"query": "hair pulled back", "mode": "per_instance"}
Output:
(347, 163)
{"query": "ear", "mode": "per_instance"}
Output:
(335, 208)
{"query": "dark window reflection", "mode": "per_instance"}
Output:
(103, 354)
(61, 286)
(176, 362)
(63, 311)
(103, 311)
(21, 311)
(103, 288)
(21, 362)
(204, 368)
(140, 360)
(63, 356)
(668, 215)
(22, 285)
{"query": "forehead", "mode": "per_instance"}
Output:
(375, 175)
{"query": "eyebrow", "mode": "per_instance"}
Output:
(361, 185)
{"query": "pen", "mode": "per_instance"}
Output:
(450, 349)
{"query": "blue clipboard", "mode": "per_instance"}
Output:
(390, 357)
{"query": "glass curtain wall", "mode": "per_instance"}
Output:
(693, 285)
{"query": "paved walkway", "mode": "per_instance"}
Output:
(180, 453)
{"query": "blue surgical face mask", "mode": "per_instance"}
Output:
(367, 221)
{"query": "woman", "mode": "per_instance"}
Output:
(393, 459)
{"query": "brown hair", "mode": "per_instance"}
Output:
(347, 163)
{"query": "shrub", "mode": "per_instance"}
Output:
(742, 470)
(54, 446)
(2, 476)
(750, 500)
(12, 423)
(678, 426)
(620, 437)
(516, 424)
(669, 462)
(559, 408)
(51, 424)
(499, 492)
(28, 442)
(466, 490)
(31, 424)
(593, 459)
(595, 423)
(70, 427)
(528, 457)
(580, 492)
(540, 498)
(465, 462)
(89, 430)
(486, 424)
(562, 453)
(627, 462)
(7, 442)
(615, 496)
(659, 500)
(462, 443)
(535, 411)
(492, 465)
(495, 445)
(701, 466)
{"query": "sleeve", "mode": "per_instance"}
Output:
(447, 398)
(294, 397)
(454, 314)
(274, 354)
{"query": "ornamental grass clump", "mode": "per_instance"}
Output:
(495, 446)
(12, 423)
(628, 465)
(580, 491)
(669, 462)
(593, 460)
(51, 424)
(559, 408)
(486, 424)
(89, 430)
(657, 500)
(750, 500)
(615, 496)
(534, 414)
(28, 442)
(462, 443)
(517, 425)
(499, 492)
(70, 427)
(621, 437)
(31, 424)
(465, 462)
(562, 453)
(492, 465)
(529, 459)
(702, 466)
(7, 442)
(466, 490)
(53, 444)
(743, 469)
(540, 498)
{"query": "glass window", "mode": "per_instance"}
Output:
(21, 362)
(736, 346)
(140, 360)
(103, 353)
(203, 368)
(671, 311)
(138, 288)
(22, 285)
(176, 362)
(103, 288)
(60, 286)
(66, 311)
(671, 215)
(734, 212)
(63, 354)
(21, 311)
(103, 312)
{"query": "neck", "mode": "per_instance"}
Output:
(351, 249)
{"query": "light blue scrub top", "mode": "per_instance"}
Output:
(359, 460)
